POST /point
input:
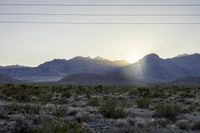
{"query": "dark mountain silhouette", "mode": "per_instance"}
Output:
(80, 65)
(152, 68)
(188, 80)
(98, 79)
(58, 68)
(13, 66)
(7, 79)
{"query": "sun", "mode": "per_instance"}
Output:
(133, 59)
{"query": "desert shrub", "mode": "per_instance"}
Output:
(9, 90)
(162, 122)
(88, 94)
(183, 124)
(66, 94)
(16, 92)
(32, 109)
(13, 107)
(186, 95)
(35, 91)
(143, 102)
(143, 92)
(24, 109)
(191, 108)
(22, 126)
(94, 102)
(60, 101)
(142, 131)
(121, 90)
(45, 98)
(81, 90)
(113, 109)
(51, 126)
(98, 89)
(82, 116)
(22, 97)
(132, 92)
(158, 93)
(196, 126)
(60, 111)
(169, 111)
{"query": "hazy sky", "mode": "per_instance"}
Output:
(32, 44)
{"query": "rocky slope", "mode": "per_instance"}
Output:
(58, 68)
(152, 68)
(98, 79)
(7, 79)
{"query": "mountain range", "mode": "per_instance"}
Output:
(57, 69)
(7, 79)
(152, 68)
(86, 70)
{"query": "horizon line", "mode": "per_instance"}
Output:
(113, 60)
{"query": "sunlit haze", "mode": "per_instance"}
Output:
(32, 44)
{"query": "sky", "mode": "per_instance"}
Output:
(33, 44)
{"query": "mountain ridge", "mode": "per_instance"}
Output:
(155, 69)
(151, 68)
(4, 79)
(58, 68)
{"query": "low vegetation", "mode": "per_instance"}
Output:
(40, 108)
(143, 102)
(112, 108)
(169, 111)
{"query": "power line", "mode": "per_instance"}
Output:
(99, 23)
(77, 14)
(109, 5)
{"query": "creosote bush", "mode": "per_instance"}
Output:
(66, 94)
(94, 102)
(169, 111)
(60, 111)
(143, 102)
(53, 108)
(112, 108)
(50, 126)
(196, 126)
(24, 109)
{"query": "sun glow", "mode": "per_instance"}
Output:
(133, 59)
